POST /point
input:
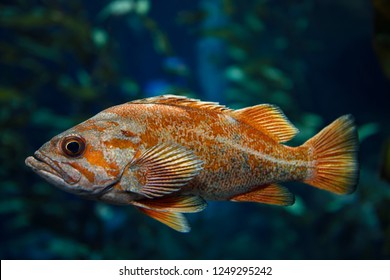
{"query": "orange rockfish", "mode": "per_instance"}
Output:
(166, 155)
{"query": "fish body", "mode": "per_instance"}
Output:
(166, 155)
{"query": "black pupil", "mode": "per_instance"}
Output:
(73, 147)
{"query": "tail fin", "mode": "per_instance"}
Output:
(334, 153)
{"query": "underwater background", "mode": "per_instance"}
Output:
(62, 62)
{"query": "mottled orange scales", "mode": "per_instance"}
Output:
(128, 133)
(97, 126)
(167, 155)
(96, 158)
(119, 143)
(87, 173)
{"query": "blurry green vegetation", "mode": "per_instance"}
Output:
(263, 63)
(258, 69)
(60, 64)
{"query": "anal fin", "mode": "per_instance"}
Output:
(174, 220)
(268, 194)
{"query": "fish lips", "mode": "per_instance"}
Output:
(54, 174)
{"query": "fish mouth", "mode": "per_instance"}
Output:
(38, 165)
(53, 173)
(45, 167)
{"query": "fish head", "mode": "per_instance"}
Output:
(87, 159)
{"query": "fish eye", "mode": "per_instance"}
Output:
(73, 146)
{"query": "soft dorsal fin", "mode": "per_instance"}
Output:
(269, 119)
(180, 204)
(181, 101)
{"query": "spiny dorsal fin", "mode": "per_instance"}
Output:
(177, 221)
(180, 204)
(268, 194)
(269, 119)
(182, 101)
(160, 170)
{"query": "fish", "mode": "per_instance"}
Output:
(168, 155)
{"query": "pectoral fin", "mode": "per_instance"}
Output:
(268, 194)
(160, 170)
(174, 220)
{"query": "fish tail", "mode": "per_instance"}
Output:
(334, 157)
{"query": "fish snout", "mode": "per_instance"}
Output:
(42, 164)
